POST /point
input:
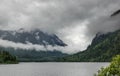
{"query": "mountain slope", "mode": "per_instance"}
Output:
(103, 48)
(35, 37)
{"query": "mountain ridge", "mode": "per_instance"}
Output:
(35, 37)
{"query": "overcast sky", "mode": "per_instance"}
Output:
(76, 22)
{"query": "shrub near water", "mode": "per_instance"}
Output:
(6, 58)
(113, 69)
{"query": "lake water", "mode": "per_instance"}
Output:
(50, 69)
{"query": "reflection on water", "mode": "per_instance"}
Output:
(50, 69)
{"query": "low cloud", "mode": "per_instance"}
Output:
(30, 46)
(76, 22)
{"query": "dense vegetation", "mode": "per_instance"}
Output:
(102, 49)
(112, 70)
(35, 56)
(6, 58)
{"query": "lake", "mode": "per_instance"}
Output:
(51, 69)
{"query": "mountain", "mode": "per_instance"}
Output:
(35, 37)
(102, 49)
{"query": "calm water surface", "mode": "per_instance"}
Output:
(50, 69)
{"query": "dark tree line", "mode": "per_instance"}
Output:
(6, 58)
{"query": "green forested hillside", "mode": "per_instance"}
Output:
(6, 58)
(112, 70)
(102, 49)
(24, 55)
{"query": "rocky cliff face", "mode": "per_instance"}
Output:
(34, 37)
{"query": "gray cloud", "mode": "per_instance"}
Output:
(30, 46)
(75, 21)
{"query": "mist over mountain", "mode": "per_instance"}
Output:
(53, 28)
(102, 49)
(75, 22)
(104, 46)
(32, 45)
